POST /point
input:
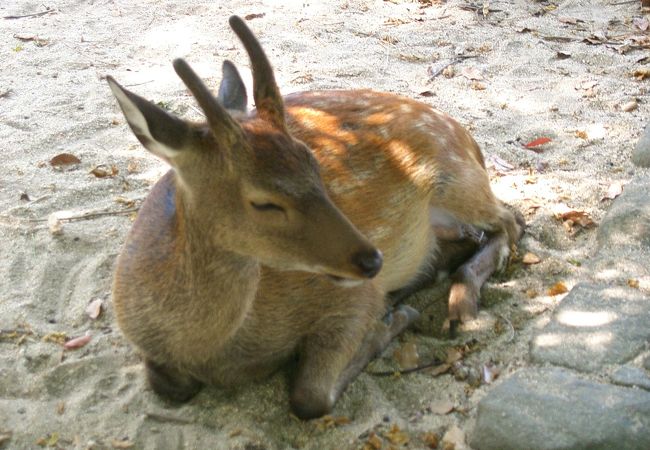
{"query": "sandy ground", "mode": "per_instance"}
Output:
(516, 71)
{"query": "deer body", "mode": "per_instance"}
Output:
(264, 240)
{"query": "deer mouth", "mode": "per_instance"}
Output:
(343, 282)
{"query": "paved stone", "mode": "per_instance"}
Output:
(595, 325)
(555, 409)
(641, 154)
(631, 376)
(627, 223)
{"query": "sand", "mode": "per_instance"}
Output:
(505, 81)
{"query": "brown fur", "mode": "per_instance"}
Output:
(239, 259)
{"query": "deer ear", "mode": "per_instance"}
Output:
(158, 131)
(232, 92)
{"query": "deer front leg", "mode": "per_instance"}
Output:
(328, 365)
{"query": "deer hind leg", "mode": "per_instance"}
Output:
(171, 383)
(327, 365)
(491, 257)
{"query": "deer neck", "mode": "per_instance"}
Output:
(214, 276)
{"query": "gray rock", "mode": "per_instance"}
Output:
(627, 223)
(631, 376)
(641, 154)
(646, 362)
(595, 325)
(553, 409)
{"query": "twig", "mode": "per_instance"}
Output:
(83, 216)
(388, 373)
(625, 2)
(42, 13)
(164, 418)
(456, 60)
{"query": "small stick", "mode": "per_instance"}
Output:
(42, 13)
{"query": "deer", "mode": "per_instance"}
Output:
(288, 234)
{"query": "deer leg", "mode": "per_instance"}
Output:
(171, 383)
(468, 279)
(325, 370)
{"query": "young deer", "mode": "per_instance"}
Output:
(266, 238)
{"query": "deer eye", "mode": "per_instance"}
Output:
(266, 207)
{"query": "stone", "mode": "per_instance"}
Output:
(627, 223)
(632, 377)
(552, 408)
(641, 154)
(594, 325)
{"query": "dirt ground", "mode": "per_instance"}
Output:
(555, 92)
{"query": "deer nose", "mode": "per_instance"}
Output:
(369, 262)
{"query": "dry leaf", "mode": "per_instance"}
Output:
(471, 73)
(614, 190)
(642, 73)
(633, 283)
(103, 171)
(327, 422)
(582, 134)
(77, 342)
(123, 443)
(530, 258)
(133, 167)
(57, 337)
(396, 436)
(453, 355)
(629, 106)
(407, 356)
(477, 86)
(60, 408)
(490, 372)
(254, 16)
(439, 370)
(441, 407)
(374, 442)
(569, 20)
(427, 94)
(449, 72)
(537, 142)
(531, 293)
(500, 164)
(94, 309)
(454, 438)
(557, 289)
(64, 160)
(641, 23)
(431, 439)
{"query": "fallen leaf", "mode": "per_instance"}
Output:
(454, 438)
(562, 55)
(77, 342)
(633, 283)
(396, 436)
(578, 218)
(500, 164)
(569, 20)
(327, 422)
(629, 106)
(407, 356)
(477, 86)
(49, 441)
(103, 171)
(531, 293)
(557, 289)
(58, 337)
(453, 355)
(60, 408)
(122, 443)
(431, 439)
(254, 16)
(537, 142)
(614, 190)
(641, 23)
(94, 309)
(440, 369)
(373, 442)
(426, 94)
(490, 372)
(441, 407)
(530, 258)
(54, 224)
(642, 73)
(133, 167)
(581, 134)
(471, 73)
(64, 159)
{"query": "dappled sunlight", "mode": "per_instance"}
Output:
(585, 318)
(592, 341)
